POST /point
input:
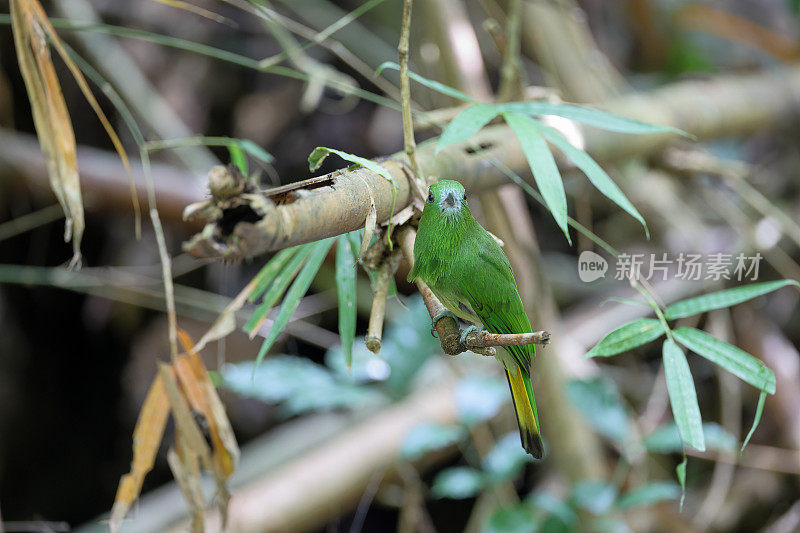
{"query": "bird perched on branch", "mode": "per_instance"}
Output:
(467, 270)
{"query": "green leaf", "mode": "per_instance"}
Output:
(295, 293)
(515, 519)
(278, 287)
(734, 360)
(596, 496)
(458, 483)
(599, 401)
(297, 385)
(255, 150)
(268, 272)
(590, 117)
(723, 299)
(594, 172)
(649, 494)
(431, 84)
(428, 437)
(682, 396)
(319, 154)
(759, 410)
(554, 507)
(346, 292)
(277, 379)
(680, 471)
(506, 459)
(238, 158)
(364, 368)
(627, 337)
(543, 166)
(626, 301)
(466, 124)
(479, 398)
(337, 396)
(667, 439)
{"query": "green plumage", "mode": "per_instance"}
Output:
(468, 271)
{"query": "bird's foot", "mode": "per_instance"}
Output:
(435, 320)
(463, 338)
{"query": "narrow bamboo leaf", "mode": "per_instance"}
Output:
(466, 124)
(682, 396)
(543, 166)
(276, 290)
(354, 237)
(268, 272)
(594, 172)
(680, 471)
(238, 158)
(722, 299)
(734, 360)
(759, 410)
(626, 301)
(590, 117)
(319, 154)
(294, 294)
(346, 291)
(255, 150)
(627, 337)
(431, 84)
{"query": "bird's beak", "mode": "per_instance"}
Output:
(449, 201)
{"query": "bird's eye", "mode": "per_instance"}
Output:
(430, 197)
(464, 197)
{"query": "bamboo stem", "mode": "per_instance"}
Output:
(409, 144)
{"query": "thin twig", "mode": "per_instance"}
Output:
(510, 70)
(484, 339)
(405, 93)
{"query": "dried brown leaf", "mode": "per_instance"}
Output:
(50, 115)
(369, 227)
(185, 466)
(226, 449)
(147, 437)
(185, 424)
(226, 322)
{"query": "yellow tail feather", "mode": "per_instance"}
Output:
(528, 425)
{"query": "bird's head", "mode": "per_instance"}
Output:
(448, 198)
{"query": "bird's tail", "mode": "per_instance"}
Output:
(525, 407)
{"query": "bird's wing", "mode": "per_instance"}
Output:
(492, 293)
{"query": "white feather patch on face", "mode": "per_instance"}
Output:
(450, 202)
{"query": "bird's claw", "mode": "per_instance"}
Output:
(435, 320)
(463, 338)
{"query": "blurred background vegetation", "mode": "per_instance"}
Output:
(408, 439)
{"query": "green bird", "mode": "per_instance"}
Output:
(469, 273)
